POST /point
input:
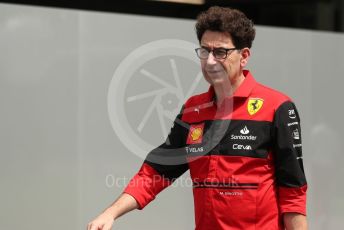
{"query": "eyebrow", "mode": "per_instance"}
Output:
(206, 47)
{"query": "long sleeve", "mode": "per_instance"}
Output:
(161, 167)
(290, 176)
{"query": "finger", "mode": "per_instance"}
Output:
(93, 227)
(107, 226)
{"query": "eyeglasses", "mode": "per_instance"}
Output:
(218, 53)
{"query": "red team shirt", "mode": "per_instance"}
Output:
(245, 159)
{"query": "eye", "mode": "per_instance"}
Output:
(204, 51)
(220, 52)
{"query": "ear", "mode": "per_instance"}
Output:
(245, 55)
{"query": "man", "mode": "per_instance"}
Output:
(241, 141)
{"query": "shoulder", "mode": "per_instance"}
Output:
(272, 96)
(197, 100)
(272, 101)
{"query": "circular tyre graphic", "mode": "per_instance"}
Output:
(148, 90)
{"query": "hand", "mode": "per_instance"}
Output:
(103, 222)
(125, 203)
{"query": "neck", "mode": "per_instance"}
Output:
(227, 89)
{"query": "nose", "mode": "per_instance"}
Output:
(211, 59)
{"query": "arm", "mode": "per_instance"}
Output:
(157, 172)
(161, 167)
(125, 203)
(290, 176)
(295, 221)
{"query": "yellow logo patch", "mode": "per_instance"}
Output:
(195, 135)
(254, 105)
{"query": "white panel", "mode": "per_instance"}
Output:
(38, 97)
(63, 159)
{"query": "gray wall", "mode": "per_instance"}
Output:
(72, 125)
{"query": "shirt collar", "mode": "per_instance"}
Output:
(244, 90)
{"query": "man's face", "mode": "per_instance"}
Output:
(220, 71)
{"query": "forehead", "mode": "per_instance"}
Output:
(216, 39)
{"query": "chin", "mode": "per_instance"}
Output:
(215, 79)
(217, 82)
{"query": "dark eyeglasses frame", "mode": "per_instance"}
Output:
(212, 51)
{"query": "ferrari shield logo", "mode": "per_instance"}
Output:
(254, 105)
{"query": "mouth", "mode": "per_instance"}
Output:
(214, 71)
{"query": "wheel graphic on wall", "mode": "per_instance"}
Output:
(148, 90)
